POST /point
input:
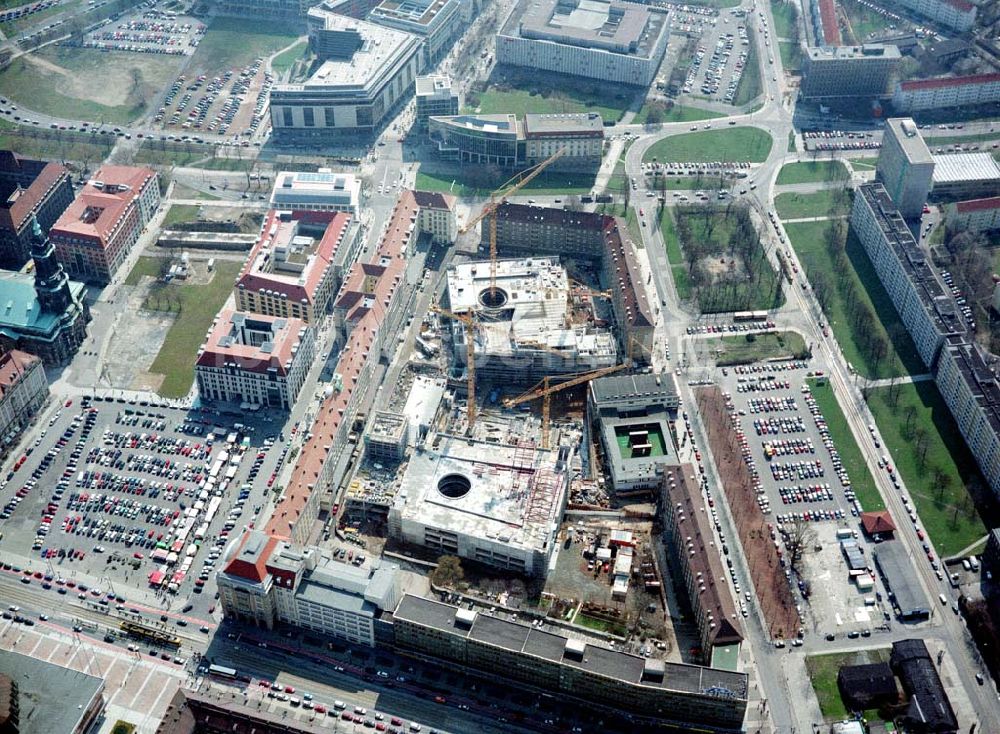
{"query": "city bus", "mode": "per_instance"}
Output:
(221, 671)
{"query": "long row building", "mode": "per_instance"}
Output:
(964, 374)
(946, 92)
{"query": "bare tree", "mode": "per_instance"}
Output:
(798, 540)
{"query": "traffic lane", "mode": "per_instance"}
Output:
(341, 677)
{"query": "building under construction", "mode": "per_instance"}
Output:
(497, 504)
(530, 323)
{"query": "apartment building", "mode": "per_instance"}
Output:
(297, 265)
(832, 72)
(96, 233)
(264, 581)
(437, 215)
(974, 215)
(959, 15)
(255, 359)
(945, 92)
(438, 22)
(264, 9)
(925, 306)
(607, 40)
(905, 166)
(578, 671)
(23, 391)
(436, 97)
(29, 190)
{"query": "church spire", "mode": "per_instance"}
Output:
(51, 282)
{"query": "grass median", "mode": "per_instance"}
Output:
(811, 172)
(734, 144)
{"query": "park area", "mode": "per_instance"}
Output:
(192, 305)
(113, 87)
(863, 319)
(803, 172)
(479, 181)
(750, 348)
(823, 203)
(723, 260)
(731, 145)
(823, 670)
(517, 92)
(937, 468)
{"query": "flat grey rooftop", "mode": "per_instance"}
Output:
(52, 699)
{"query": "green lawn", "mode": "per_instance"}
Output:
(919, 418)
(634, 230)
(145, 265)
(149, 155)
(823, 671)
(474, 183)
(199, 306)
(866, 21)
(729, 144)
(936, 142)
(818, 204)
(811, 172)
(518, 97)
(863, 164)
(232, 43)
(58, 149)
(181, 214)
(58, 81)
(678, 113)
(808, 240)
(180, 191)
(785, 17)
(861, 478)
(286, 59)
(719, 4)
(678, 268)
(750, 86)
(750, 348)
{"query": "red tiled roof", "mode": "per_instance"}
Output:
(95, 212)
(977, 205)
(637, 311)
(252, 570)
(249, 358)
(949, 81)
(878, 522)
(828, 16)
(14, 216)
(378, 280)
(255, 276)
(13, 365)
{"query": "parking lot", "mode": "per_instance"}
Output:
(720, 58)
(841, 140)
(135, 493)
(153, 32)
(235, 102)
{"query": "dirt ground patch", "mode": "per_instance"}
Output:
(137, 339)
(772, 588)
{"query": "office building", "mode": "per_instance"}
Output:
(524, 230)
(436, 97)
(96, 233)
(38, 697)
(44, 313)
(905, 166)
(688, 525)
(254, 359)
(365, 72)
(925, 306)
(606, 40)
(496, 504)
(504, 141)
(264, 581)
(945, 92)
(297, 265)
(264, 9)
(974, 215)
(959, 15)
(965, 176)
(438, 22)
(436, 216)
(368, 310)
(23, 391)
(323, 191)
(579, 672)
(632, 414)
(28, 189)
(849, 71)
(525, 329)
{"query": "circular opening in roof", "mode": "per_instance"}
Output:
(454, 486)
(493, 297)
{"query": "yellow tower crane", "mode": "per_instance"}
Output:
(545, 390)
(511, 187)
(470, 359)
